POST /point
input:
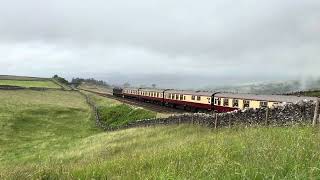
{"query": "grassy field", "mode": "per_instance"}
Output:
(51, 135)
(23, 83)
(96, 88)
(11, 77)
(36, 126)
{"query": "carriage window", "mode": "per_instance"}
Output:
(235, 103)
(225, 102)
(263, 104)
(193, 98)
(173, 96)
(198, 98)
(184, 97)
(246, 103)
(181, 97)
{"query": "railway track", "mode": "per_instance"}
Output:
(149, 106)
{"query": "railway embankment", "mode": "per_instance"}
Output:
(112, 114)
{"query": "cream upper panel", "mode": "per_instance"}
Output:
(189, 98)
(148, 93)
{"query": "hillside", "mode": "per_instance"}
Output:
(51, 134)
(23, 78)
(272, 87)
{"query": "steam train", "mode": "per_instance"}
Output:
(201, 101)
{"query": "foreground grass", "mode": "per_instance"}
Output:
(50, 135)
(22, 83)
(180, 152)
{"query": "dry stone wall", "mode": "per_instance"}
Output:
(281, 116)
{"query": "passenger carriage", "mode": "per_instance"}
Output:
(151, 95)
(225, 102)
(191, 100)
(131, 93)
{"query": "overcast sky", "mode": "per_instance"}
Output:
(172, 43)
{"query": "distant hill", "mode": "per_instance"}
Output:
(272, 88)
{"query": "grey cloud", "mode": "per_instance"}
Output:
(153, 40)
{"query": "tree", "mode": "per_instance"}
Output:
(60, 79)
(78, 81)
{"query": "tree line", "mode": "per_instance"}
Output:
(78, 81)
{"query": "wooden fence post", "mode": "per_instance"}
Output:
(267, 115)
(316, 113)
(216, 121)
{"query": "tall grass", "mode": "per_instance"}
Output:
(185, 152)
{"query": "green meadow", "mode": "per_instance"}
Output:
(52, 135)
(27, 83)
